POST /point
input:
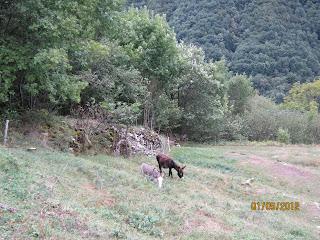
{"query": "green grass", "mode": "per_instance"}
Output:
(61, 196)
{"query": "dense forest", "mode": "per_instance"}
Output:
(128, 65)
(277, 42)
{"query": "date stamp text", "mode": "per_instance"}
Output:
(275, 206)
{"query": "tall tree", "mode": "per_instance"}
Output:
(201, 93)
(152, 47)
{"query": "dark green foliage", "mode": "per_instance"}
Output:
(39, 40)
(201, 91)
(167, 112)
(239, 90)
(150, 43)
(110, 76)
(277, 42)
(151, 46)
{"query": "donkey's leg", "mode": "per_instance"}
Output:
(160, 167)
(170, 172)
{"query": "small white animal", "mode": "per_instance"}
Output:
(152, 173)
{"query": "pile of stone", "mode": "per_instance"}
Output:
(119, 139)
(139, 141)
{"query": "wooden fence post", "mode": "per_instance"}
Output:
(5, 135)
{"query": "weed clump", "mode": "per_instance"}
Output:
(145, 223)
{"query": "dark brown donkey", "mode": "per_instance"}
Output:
(165, 161)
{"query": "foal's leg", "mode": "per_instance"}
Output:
(170, 172)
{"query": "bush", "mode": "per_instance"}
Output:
(232, 128)
(283, 136)
(260, 120)
(264, 119)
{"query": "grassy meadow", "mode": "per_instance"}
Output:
(61, 196)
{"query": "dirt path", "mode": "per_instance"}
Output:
(295, 176)
(298, 178)
(280, 169)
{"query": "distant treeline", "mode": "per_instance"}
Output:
(277, 42)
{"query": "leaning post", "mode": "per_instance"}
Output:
(5, 135)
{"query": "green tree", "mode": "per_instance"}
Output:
(201, 93)
(151, 45)
(110, 75)
(304, 97)
(239, 90)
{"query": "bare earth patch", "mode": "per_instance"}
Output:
(103, 198)
(202, 221)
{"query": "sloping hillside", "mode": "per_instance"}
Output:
(61, 196)
(277, 41)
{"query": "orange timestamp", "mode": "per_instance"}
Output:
(275, 206)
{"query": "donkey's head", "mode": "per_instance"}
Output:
(180, 171)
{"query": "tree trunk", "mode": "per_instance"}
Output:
(146, 121)
(145, 113)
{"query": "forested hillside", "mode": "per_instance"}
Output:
(275, 41)
(125, 65)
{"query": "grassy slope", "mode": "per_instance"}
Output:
(60, 196)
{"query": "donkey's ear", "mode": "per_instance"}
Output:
(184, 167)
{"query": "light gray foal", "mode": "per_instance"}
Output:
(152, 173)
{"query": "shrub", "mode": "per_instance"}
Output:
(260, 122)
(283, 136)
(264, 119)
